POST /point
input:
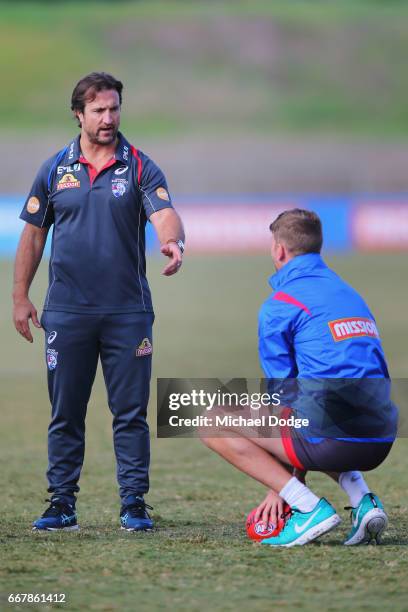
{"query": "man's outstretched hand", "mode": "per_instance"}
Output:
(173, 252)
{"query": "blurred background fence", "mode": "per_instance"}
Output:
(239, 224)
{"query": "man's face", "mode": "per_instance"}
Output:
(101, 117)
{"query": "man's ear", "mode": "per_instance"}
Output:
(281, 252)
(79, 117)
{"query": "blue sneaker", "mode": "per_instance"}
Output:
(303, 527)
(368, 521)
(59, 516)
(133, 514)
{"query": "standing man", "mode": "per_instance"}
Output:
(98, 192)
(316, 329)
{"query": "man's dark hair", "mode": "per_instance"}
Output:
(87, 88)
(300, 231)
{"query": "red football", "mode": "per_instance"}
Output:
(259, 530)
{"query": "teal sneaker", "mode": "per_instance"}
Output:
(303, 527)
(368, 521)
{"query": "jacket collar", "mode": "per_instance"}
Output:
(123, 150)
(296, 267)
(73, 151)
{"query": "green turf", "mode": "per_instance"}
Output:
(198, 558)
(220, 66)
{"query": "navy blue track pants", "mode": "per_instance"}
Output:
(73, 345)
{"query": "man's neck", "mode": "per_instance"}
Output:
(282, 264)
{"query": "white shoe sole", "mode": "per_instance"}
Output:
(373, 525)
(314, 532)
(72, 528)
(127, 529)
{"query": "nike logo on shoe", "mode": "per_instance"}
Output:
(355, 520)
(300, 528)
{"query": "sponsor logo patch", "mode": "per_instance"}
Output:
(144, 348)
(33, 205)
(73, 168)
(68, 181)
(125, 153)
(162, 194)
(119, 187)
(52, 359)
(353, 327)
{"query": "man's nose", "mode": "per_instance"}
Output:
(107, 117)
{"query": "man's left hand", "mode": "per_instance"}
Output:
(173, 252)
(270, 509)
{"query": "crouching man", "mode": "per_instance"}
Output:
(314, 327)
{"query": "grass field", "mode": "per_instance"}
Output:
(217, 67)
(198, 557)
